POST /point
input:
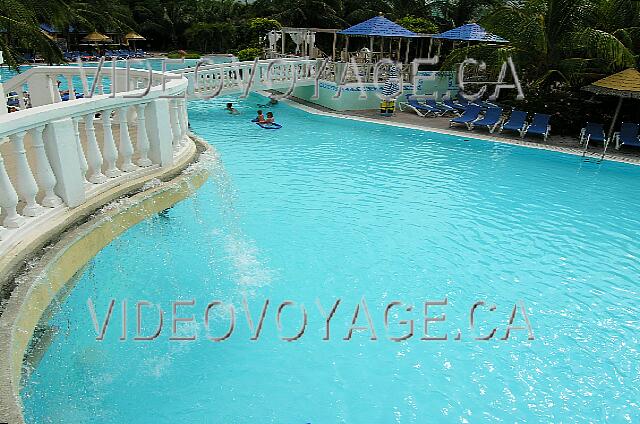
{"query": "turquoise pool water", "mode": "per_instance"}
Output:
(325, 209)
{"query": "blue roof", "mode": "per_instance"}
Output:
(470, 32)
(378, 26)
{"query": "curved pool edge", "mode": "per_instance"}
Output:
(611, 156)
(66, 250)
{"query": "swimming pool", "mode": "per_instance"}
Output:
(328, 209)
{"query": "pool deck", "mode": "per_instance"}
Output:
(409, 119)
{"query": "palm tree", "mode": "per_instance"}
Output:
(21, 23)
(571, 41)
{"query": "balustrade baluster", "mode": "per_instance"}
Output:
(84, 167)
(26, 185)
(94, 156)
(142, 142)
(175, 122)
(43, 172)
(109, 150)
(126, 148)
(8, 200)
(72, 91)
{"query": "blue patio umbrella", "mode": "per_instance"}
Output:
(470, 32)
(378, 26)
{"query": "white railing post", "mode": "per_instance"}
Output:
(3, 104)
(41, 90)
(72, 91)
(62, 151)
(26, 185)
(84, 166)
(142, 140)
(184, 118)
(43, 172)
(159, 131)
(175, 122)
(94, 157)
(8, 200)
(109, 150)
(126, 148)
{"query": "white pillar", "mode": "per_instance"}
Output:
(62, 151)
(126, 148)
(8, 200)
(84, 167)
(94, 156)
(43, 172)
(159, 132)
(25, 183)
(109, 150)
(142, 141)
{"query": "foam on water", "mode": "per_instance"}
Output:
(325, 209)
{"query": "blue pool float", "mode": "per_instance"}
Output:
(267, 126)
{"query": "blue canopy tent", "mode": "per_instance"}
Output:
(379, 26)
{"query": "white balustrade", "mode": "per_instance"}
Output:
(61, 162)
(184, 115)
(25, 184)
(43, 172)
(94, 156)
(125, 147)
(175, 122)
(109, 150)
(142, 140)
(84, 166)
(8, 200)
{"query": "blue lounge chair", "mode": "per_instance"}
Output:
(453, 105)
(422, 109)
(538, 126)
(470, 114)
(516, 122)
(483, 104)
(444, 107)
(593, 131)
(628, 135)
(491, 119)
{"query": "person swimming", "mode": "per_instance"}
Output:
(260, 117)
(272, 102)
(231, 109)
(269, 120)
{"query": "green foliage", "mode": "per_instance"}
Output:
(263, 25)
(249, 53)
(572, 42)
(183, 55)
(418, 25)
